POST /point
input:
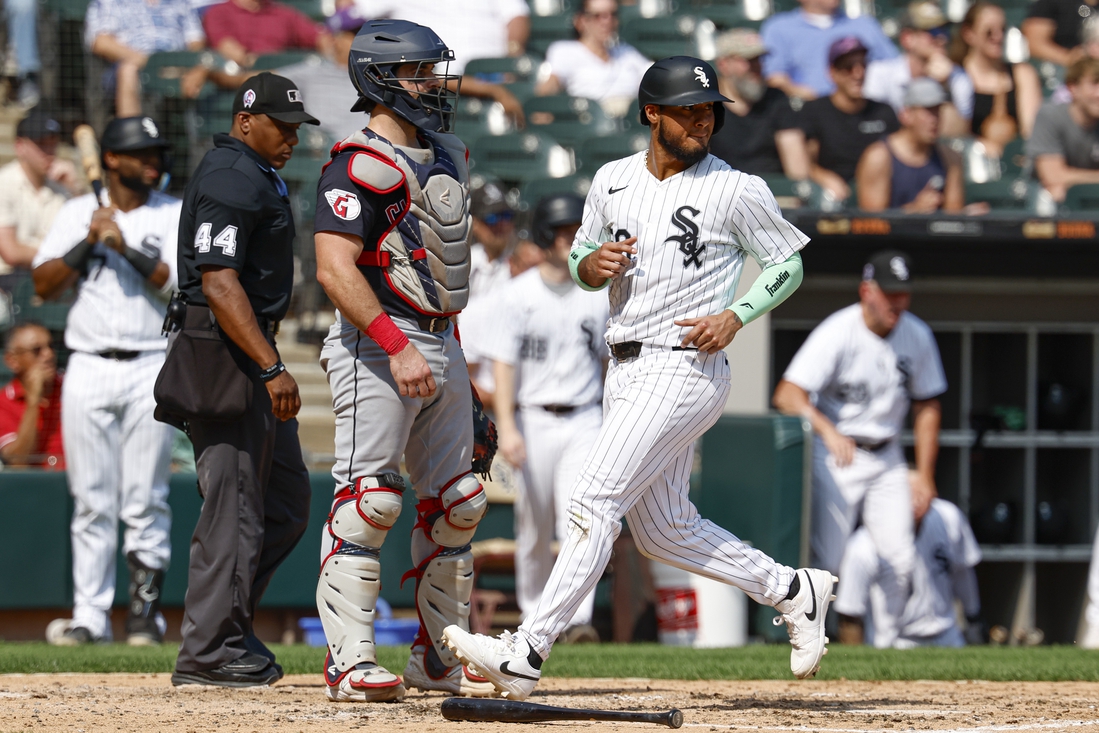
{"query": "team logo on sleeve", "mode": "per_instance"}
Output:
(344, 203)
(689, 245)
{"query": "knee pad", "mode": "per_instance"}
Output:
(365, 512)
(442, 596)
(347, 592)
(452, 518)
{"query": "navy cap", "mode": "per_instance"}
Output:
(38, 125)
(891, 270)
(844, 46)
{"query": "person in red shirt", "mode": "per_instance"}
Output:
(241, 30)
(30, 405)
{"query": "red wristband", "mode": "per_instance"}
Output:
(386, 334)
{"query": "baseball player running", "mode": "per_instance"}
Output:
(675, 224)
(119, 251)
(392, 245)
(946, 553)
(862, 367)
(548, 356)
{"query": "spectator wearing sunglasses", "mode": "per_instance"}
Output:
(925, 33)
(30, 404)
(1006, 97)
(839, 127)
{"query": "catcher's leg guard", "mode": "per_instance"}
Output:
(347, 590)
(444, 571)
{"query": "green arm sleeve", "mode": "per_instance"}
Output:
(774, 285)
(576, 257)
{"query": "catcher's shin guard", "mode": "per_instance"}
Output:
(350, 577)
(444, 577)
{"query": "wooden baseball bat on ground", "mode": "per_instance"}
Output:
(84, 138)
(513, 711)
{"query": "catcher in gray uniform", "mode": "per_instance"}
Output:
(392, 230)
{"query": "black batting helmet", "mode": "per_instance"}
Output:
(680, 81)
(379, 48)
(131, 133)
(555, 211)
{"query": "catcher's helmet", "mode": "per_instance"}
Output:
(379, 48)
(131, 133)
(555, 211)
(680, 81)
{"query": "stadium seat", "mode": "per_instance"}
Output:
(534, 191)
(1051, 74)
(270, 61)
(568, 120)
(598, 151)
(792, 194)
(729, 13)
(544, 30)
(521, 157)
(213, 114)
(678, 35)
(26, 306)
(1014, 161)
(310, 154)
(162, 72)
(1003, 195)
(476, 118)
(311, 8)
(68, 9)
(1083, 197)
(506, 69)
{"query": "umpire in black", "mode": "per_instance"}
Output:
(236, 270)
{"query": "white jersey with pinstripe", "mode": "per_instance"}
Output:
(693, 231)
(118, 455)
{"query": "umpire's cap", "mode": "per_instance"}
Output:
(131, 133)
(557, 210)
(680, 81)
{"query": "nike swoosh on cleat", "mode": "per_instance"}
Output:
(612, 190)
(505, 670)
(812, 616)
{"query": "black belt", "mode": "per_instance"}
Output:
(561, 409)
(118, 355)
(632, 349)
(268, 326)
(874, 447)
(433, 325)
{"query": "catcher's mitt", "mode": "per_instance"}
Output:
(484, 438)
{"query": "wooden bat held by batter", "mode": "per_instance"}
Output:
(514, 711)
(84, 138)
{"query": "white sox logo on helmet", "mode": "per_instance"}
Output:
(344, 203)
(700, 74)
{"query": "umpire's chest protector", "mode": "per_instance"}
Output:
(419, 234)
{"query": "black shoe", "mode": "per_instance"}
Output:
(251, 670)
(254, 645)
(143, 619)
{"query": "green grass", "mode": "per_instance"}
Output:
(1047, 663)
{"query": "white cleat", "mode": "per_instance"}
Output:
(507, 660)
(365, 682)
(804, 618)
(456, 680)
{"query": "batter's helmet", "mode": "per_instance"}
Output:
(555, 211)
(379, 48)
(131, 133)
(680, 81)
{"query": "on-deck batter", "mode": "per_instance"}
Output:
(862, 367)
(117, 454)
(548, 357)
(676, 224)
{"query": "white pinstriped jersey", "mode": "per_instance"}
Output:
(693, 231)
(553, 339)
(117, 308)
(862, 382)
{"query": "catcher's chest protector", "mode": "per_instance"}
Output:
(425, 252)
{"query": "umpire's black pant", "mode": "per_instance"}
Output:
(256, 491)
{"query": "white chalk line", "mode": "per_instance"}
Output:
(1053, 725)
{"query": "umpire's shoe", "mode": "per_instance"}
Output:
(145, 624)
(250, 670)
(426, 672)
(804, 618)
(507, 661)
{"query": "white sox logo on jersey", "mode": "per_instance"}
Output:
(688, 241)
(344, 203)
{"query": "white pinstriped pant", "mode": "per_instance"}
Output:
(655, 407)
(118, 458)
(556, 448)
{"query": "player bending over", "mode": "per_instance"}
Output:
(675, 224)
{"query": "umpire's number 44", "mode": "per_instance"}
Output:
(226, 239)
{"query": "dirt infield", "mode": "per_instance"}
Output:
(83, 703)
